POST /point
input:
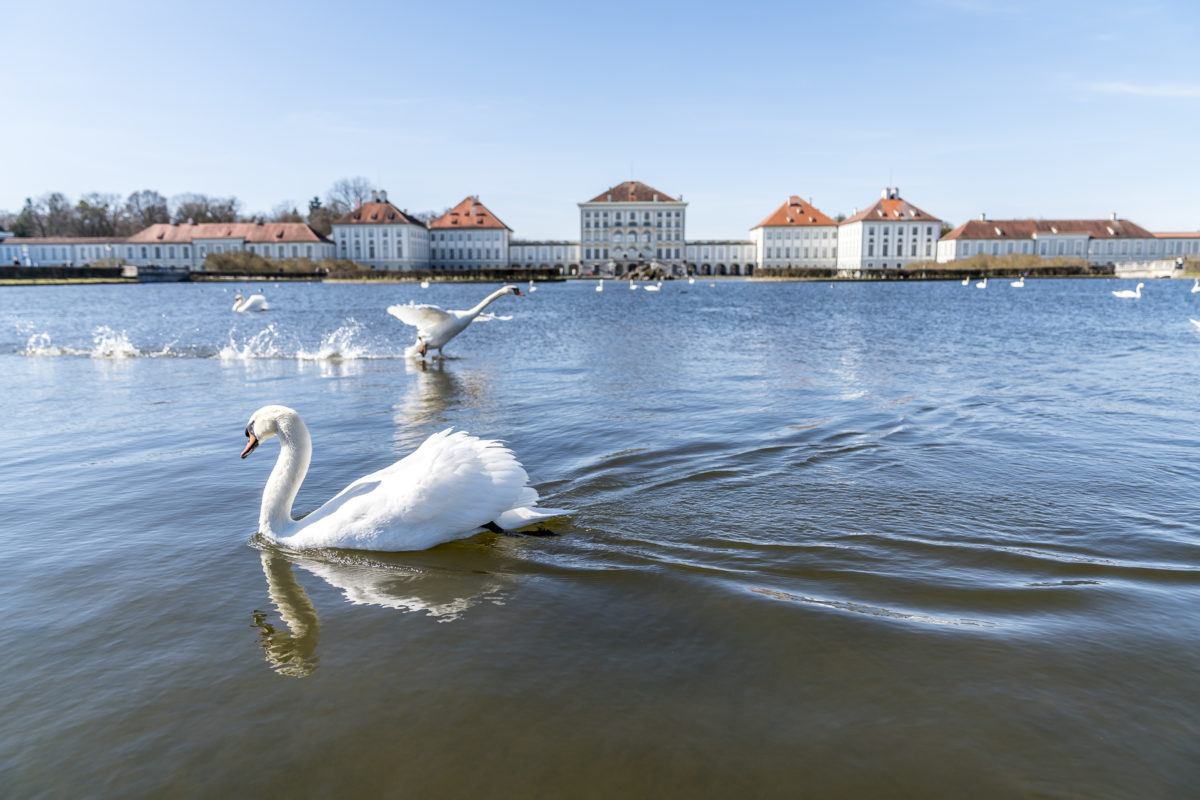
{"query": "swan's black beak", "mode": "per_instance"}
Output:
(518, 293)
(251, 442)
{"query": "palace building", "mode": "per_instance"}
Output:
(796, 234)
(632, 224)
(887, 235)
(468, 236)
(382, 236)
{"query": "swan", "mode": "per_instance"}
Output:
(255, 302)
(691, 281)
(1019, 283)
(435, 327)
(600, 285)
(632, 285)
(654, 287)
(450, 487)
(982, 284)
(966, 281)
(1134, 294)
(424, 284)
(532, 288)
(1195, 285)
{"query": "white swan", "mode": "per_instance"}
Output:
(1019, 283)
(691, 281)
(982, 284)
(435, 327)
(654, 287)
(532, 288)
(966, 281)
(1195, 285)
(632, 285)
(600, 285)
(255, 302)
(424, 284)
(450, 487)
(1132, 294)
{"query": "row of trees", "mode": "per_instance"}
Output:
(99, 214)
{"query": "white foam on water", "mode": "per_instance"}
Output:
(338, 345)
(264, 344)
(107, 343)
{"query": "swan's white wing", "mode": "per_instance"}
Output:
(452, 485)
(422, 317)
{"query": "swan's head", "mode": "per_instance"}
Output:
(264, 424)
(513, 289)
(1140, 285)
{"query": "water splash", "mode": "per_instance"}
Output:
(107, 343)
(264, 344)
(341, 344)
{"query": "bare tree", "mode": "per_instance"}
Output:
(146, 208)
(285, 212)
(98, 215)
(348, 194)
(60, 215)
(202, 208)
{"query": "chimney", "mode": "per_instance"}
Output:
(884, 194)
(382, 196)
(374, 196)
(982, 217)
(1114, 216)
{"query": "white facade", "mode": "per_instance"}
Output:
(468, 236)
(187, 245)
(717, 257)
(888, 235)
(381, 236)
(1097, 241)
(632, 224)
(796, 235)
(60, 251)
(561, 256)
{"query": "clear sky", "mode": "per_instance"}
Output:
(1016, 109)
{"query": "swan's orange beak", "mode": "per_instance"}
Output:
(251, 443)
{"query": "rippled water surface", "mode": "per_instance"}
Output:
(863, 540)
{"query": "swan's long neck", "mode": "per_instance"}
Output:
(295, 452)
(485, 302)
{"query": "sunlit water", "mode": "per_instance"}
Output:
(867, 540)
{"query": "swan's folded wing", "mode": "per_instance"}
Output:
(453, 484)
(422, 317)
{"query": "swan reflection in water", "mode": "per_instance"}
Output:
(409, 582)
(433, 392)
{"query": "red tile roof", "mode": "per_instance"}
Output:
(378, 213)
(892, 209)
(1027, 228)
(470, 213)
(795, 212)
(632, 192)
(255, 232)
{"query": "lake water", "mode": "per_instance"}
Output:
(863, 540)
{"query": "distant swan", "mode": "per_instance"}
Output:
(691, 280)
(1195, 285)
(1133, 294)
(655, 287)
(450, 487)
(1019, 283)
(436, 327)
(255, 302)
(424, 284)
(632, 285)
(966, 281)
(600, 285)
(982, 284)
(532, 288)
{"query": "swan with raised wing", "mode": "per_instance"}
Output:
(255, 302)
(435, 326)
(450, 487)
(1130, 294)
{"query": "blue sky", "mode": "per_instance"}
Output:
(1011, 108)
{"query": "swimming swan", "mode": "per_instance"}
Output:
(982, 284)
(435, 327)
(450, 487)
(1195, 285)
(255, 302)
(1134, 294)
(600, 285)
(1019, 283)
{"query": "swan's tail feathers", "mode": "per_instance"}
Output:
(516, 518)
